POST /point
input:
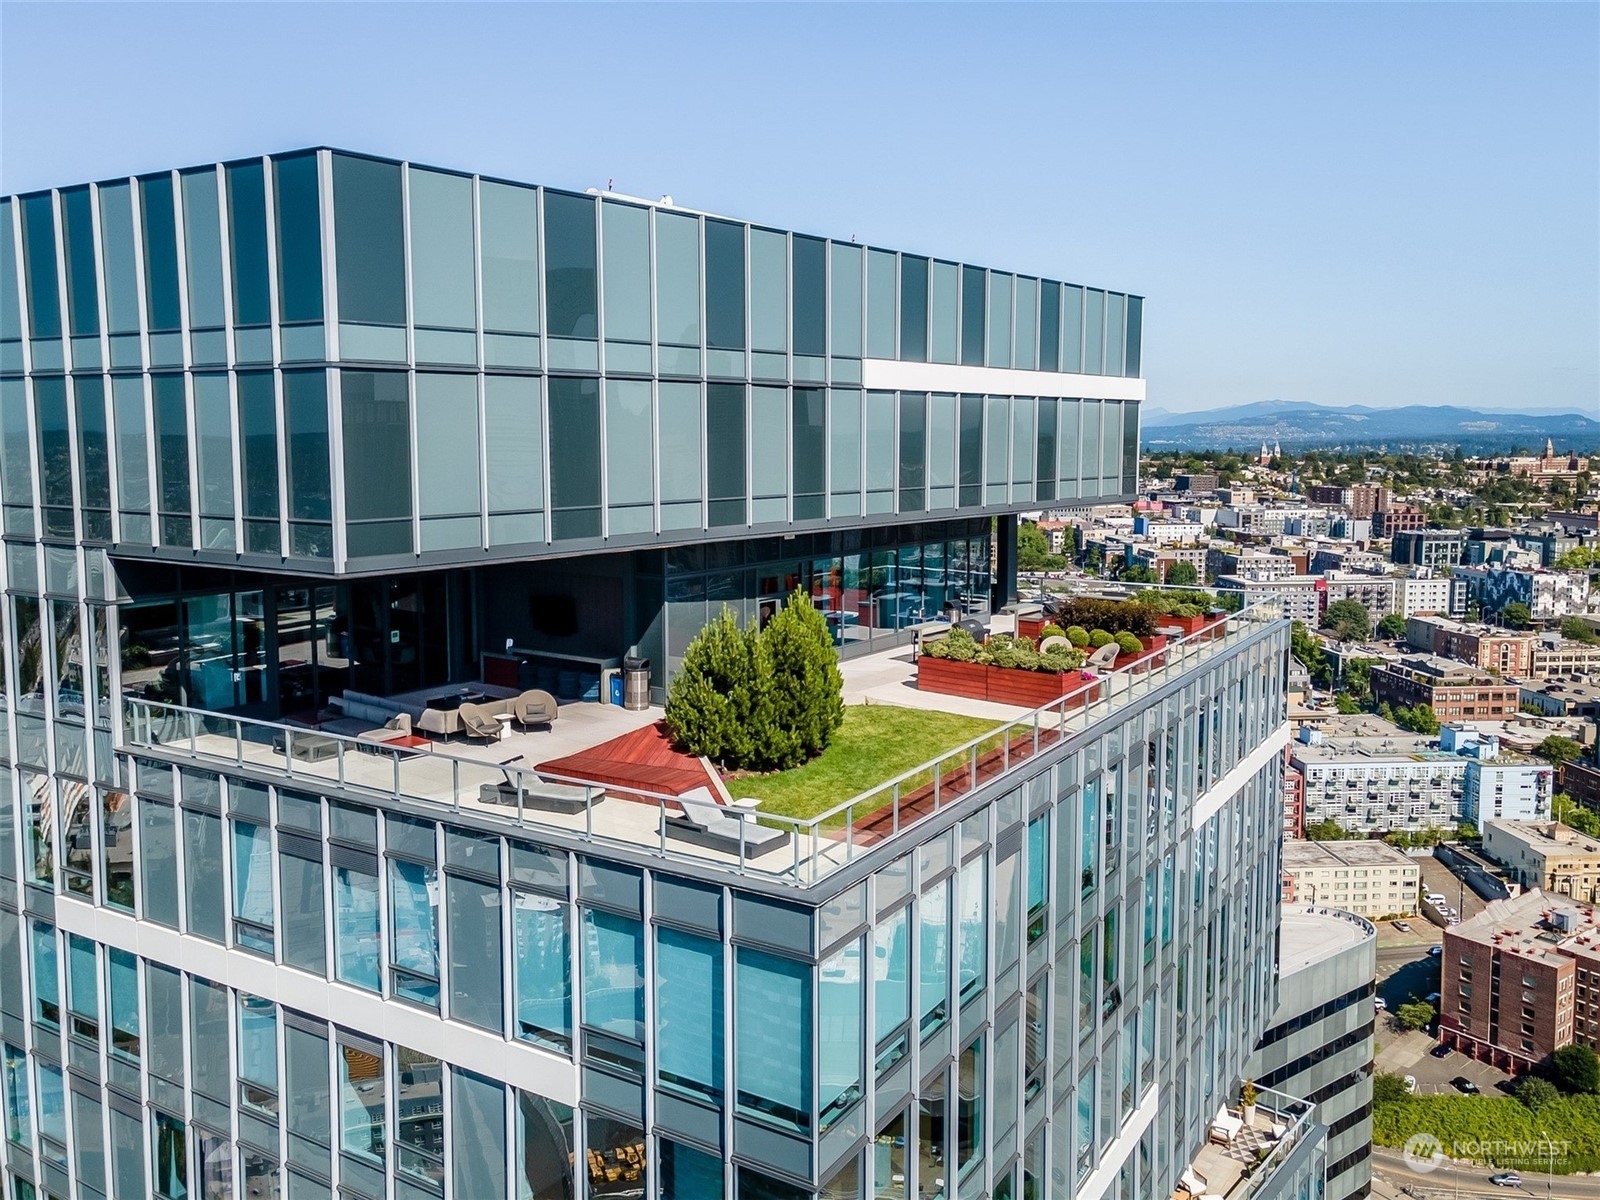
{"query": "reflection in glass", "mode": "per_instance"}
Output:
(361, 1102)
(419, 1114)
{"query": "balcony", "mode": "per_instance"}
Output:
(1242, 1160)
(491, 781)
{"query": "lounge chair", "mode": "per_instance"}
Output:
(477, 723)
(545, 795)
(1103, 658)
(533, 708)
(397, 727)
(706, 823)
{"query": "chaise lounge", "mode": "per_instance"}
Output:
(545, 795)
(708, 824)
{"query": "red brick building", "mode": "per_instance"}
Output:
(1502, 650)
(1454, 690)
(1294, 801)
(1398, 518)
(1520, 980)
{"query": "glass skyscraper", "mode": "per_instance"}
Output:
(318, 429)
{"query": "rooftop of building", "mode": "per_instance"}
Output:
(1306, 856)
(1565, 687)
(1548, 837)
(510, 778)
(1534, 925)
(1475, 628)
(1311, 933)
(1447, 671)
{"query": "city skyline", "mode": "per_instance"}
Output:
(1316, 200)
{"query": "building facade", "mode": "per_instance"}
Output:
(284, 429)
(1437, 549)
(1368, 878)
(1320, 1041)
(1499, 790)
(1453, 690)
(1303, 597)
(1373, 785)
(1548, 595)
(1547, 855)
(1555, 655)
(1505, 651)
(1398, 518)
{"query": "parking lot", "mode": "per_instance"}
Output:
(1408, 1054)
(1437, 877)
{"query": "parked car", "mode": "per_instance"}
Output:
(1411, 1084)
(1506, 1179)
(1464, 1085)
(1403, 926)
(1379, 1004)
(1435, 951)
(1440, 1050)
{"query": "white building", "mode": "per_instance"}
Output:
(1429, 593)
(1367, 878)
(1301, 594)
(1507, 791)
(1380, 784)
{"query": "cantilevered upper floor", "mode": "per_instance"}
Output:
(326, 361)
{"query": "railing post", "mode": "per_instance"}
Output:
(339, 753)
(455, 784)
(397, 774)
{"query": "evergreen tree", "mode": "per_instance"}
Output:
(807, 703)
(710, 700)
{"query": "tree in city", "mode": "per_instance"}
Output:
(1388, 1088)
(1579, 558)
(1516, 615)
(1325, 831)
(1534, 1093)
(1579, 630)
(1309, 652)
(1570, 813)
(1419, 1014)
(1417, 719)
(1392, 626)
(806, 687)
(1347, 621)
(1556, 749)
(710, 699)
(1137, 573)
(1182, 574)
(1575, 1069)
(1347, 704)
(1033, 549)
(1466, 831)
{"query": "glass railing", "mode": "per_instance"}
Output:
(1298, 1120)
(800, 851)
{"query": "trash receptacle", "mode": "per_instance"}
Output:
(635, 683)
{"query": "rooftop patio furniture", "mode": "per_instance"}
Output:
(1054, 641)
(478, 720)
(307, 746)
(706, 823)
(1224, 1127)
(545, 795)
(1103, 658)
(534, 708)
(393, 730)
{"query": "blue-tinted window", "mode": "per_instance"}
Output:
(1135, 336)
(724, 285)
(443, 284)
(613, 974)
(892, 987)
(677, 279)
(1094, 332)
(46, 981)
(809, 448)
(913, 451)
(247, 243)
(772, 1037)
(83, 294)
(258, 444)
(298, 213)
(202, 244)
(972, 314)
(122, 991)
(39, 266)
(574, 457)
(414, 932)
(369, 240)
(160, 252)
(172, 457)
(880, 304)
(252, 886)
(305, 404)
(117, 249)
(355, 927)
(688, 1174)
(913, 308)
(626, 272)
(689, 1018)
(55, 454)
(258, 1054)
(83, 987)
(377, 460)
(569, 247)
(725, 459)
(543, 970)
(509, 230)
(10, 314)
(1071, 328)
(472, 912)
(847, 308)
(933, 954)
(841, 1034)
(1049, 326)
(810, 317)
(94, 480)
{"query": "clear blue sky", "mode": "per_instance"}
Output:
(1345, 203)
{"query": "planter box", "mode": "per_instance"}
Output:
(1030, 627)
(1150, 656)
(1003, 685)
(1191, 625)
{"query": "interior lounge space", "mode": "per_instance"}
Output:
(310, 651)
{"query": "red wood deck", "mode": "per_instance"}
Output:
(644, 759)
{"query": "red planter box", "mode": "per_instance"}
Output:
(1030, 627)
(1003, 685)
(1191, 625)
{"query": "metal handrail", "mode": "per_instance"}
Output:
(819, 844)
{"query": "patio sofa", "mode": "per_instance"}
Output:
(714, 826)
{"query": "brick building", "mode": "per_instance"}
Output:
(1485, 646)
(1454, 690)
(1398, 518)
(1520, 980)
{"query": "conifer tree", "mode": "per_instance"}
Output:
(709, 701)
(807, 689)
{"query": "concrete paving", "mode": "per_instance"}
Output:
(890, 677)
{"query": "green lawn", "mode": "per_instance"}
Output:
(875, 743)
(1497, 1130)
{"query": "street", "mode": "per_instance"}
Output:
(1449, 1180)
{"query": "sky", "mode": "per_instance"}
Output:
(1343, 203)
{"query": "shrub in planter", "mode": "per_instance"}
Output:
(1078, 636)
(1099, 638)
(1051, 630)
(1129, 644)
(1059, 659)
(958, 646)
(1114, 616)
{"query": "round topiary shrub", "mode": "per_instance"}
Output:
(1078, 636)
(1051, 630)
(1100, 637)
(1129, 644)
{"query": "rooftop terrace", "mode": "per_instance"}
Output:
(503, 780)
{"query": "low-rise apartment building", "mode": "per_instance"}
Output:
(1426, 592)
(1367, 878)
(1439, 549)
(1454, 690)
(1303, 596)
(1398, 518)
(1504, 790)
(1548, 594)
(1547, 855)
(1375, 593)
(1520, 980)
(1380, 784)
(1556, 655)
(1580, 782)
(1503, 650)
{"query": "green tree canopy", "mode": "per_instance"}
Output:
(1556, 749)
(1392, 626)
(1516, 615)
(1388, 1088)
(1535, 1093)
(1326, 831)
(1417, 1015)
(1419, 719)
(1347, 620)
(1033, 549)
(1182, 574)
(1578, 630)
(1575, 1069)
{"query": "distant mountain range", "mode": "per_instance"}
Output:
(1301, 425)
